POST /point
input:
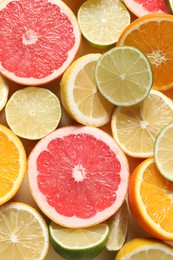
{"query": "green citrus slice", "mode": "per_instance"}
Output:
(102, 21)
(33, 112)
(4, 90)
(78, 243)
(124, 75)
(163, 151)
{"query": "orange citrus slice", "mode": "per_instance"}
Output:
(152, 34)
(151, 201)
(12, 164)
(78, 176)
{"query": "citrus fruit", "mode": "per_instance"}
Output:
(124, 76)
(80, 96)
(78, 176)
(163, 151)
(151, 34)
(135, 128)
(143, 7)
(4, 90)
(23, 232)
(33, 112)
(150, 200)
(81, 243)
(118, 226)
(102, 21)
(169, 5)
(38, 41)
(12, 164)
(145, 248)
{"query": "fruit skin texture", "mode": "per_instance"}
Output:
(134, 204)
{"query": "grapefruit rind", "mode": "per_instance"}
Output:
(74, 221)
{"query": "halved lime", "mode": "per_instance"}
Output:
(124, 75)
(84, 243)
(163, 151)
(102, 21)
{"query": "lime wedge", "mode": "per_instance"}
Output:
(124, 75)
(78, 243)
(102, 21)
(118, 225)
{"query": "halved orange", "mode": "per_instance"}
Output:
(152, 34)
(12, 164)
(151, 201)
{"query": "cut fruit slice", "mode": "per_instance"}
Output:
(135, 128)
(102, 21)
(12, 164)
(124, 76)
(79, 243)
(118, 226)
(151, 34)
(145, 248)
(23, 232)
(80, 96)
(169, 5)
(38, 42)
(163, 151)
(143, 7)
(150, 200)
(4, 90)
(78, 176)
(33, 112)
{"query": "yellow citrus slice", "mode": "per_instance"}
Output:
(33, 112)
(150, 200)
(124, 76)
(4, 90)
(163, 151)
(82, 243)
(145, 248)
(80, 96)
(102, 21)
(12, 164)
(135, 128)
(118, 226)
(23, 232)
(152, 34)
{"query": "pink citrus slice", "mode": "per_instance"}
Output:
(39, 40)
(78, 176)
(143, 7)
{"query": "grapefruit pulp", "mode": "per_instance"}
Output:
(38, 42)
(78, 176)
(143, 7)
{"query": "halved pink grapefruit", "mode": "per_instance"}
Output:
(38, 40)
(78, 176)
(143, 7)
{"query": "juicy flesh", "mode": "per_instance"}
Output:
(79, 175)
(153, 6)
(154, 39)
(21, 236)
(34, 42)
(9, 164)
(155, 188)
